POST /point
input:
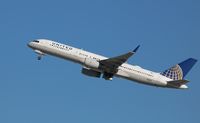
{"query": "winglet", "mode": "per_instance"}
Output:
(135, 50)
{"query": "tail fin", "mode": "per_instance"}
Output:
(179, 71)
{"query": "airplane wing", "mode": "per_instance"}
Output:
(111, 64)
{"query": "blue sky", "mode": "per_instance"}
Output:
(54, 90)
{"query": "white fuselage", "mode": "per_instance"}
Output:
(127, 71)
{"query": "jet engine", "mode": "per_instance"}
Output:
(90, 72)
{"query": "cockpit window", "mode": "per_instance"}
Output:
(36, 41)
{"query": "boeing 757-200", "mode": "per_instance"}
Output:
(96, 65)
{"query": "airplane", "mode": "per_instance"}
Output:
(96, 65)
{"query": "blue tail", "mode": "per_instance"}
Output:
(179, 71)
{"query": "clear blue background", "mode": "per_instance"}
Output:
(54, 90)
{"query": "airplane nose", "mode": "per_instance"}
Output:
(30, 44)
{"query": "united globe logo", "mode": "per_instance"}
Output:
(174, 73)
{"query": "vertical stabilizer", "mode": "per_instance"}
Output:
(179, 71)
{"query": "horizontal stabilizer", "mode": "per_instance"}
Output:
(177, 83)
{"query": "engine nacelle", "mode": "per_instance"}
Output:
(90, 72)
(91, 63)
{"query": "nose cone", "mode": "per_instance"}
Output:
(31, 45)
(28, 44)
